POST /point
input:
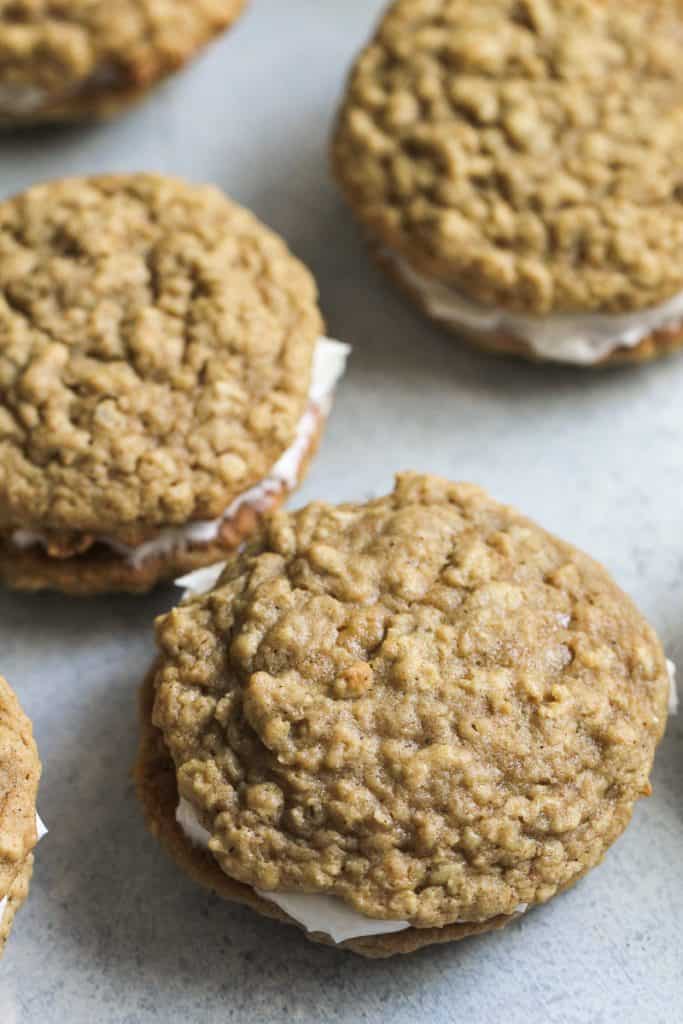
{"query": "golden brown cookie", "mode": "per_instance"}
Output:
(163, 380)
(89, 58)
(517, 164)
(425, 707)
(19, 777)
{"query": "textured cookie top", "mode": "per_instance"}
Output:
(19, 777)
(425, 705)
(156, 356)
(528, 152)
(57, 45)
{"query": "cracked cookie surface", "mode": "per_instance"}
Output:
(528, 153)
(87, 57)
(157, 359)
(425, 705)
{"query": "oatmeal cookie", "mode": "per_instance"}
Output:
(519, 165)
(163, 380)
(19, 777)
(425, 711)
(89, 58)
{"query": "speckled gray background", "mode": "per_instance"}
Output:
(113, 933)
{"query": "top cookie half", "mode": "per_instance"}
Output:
(70, 58)
(527, 153)
(157, 344)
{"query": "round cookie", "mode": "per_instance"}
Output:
(518, 168)
(163, 380)
(424, 711)
(90, 58)
(19, 777)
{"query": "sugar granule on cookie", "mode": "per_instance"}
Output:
(89, 58)
(20, 825)
(400, 722)
(518, 167)
(164, 380)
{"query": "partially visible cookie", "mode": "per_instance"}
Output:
(90, 58)
(19, 826)
(517, 165)
(164, 380)
(400, 722)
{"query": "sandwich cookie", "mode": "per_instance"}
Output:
(401, 722)
(164, 381)
(20, 826)
(90, 58)
(518, 168)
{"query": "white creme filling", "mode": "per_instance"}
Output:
(21, 100)
(326, 915)
(17, 100)
(329, 364)
(579, 338)
(41, 831)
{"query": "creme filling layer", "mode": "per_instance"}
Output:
(23, 100)
(41, 831)
(579, 338)
(329, 364)
(326, 915)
